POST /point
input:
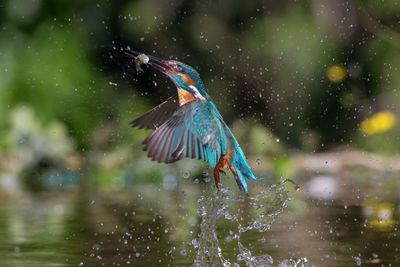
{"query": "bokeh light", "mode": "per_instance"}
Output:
(336, 73)
(380, 122)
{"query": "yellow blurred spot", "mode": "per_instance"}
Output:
(379, 123)
(384, 217)
(336, 73)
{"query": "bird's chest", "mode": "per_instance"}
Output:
(185, 97)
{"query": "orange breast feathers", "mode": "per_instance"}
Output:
(185, 96)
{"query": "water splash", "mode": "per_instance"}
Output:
(250, 260)
(254, 213)
(302, 262)
(209, 252)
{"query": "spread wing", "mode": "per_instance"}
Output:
(192, 131)
(158, 115)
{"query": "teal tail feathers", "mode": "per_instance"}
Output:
(238, 163)
(241, 169)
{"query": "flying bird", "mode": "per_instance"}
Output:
(190, 125)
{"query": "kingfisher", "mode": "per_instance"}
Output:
(189, 125)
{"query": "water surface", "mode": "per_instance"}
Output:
(151, 226)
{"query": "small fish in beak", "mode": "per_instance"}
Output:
(139, 60)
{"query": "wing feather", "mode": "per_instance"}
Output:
(167, 144)
(192, 131)
(157, 116)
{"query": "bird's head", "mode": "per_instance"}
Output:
(182, 75)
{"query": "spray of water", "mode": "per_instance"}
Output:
(249, 213)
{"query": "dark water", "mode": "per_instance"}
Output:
(152, 226)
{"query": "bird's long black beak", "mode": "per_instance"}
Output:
(159, 64)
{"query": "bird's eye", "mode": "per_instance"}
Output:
(179, 68)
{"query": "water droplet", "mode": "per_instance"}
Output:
(357, 260)
(186, 175)
(183, 253)
(195, 243)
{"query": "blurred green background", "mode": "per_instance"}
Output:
(309, 73)
(301, 77)
(296, 80)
